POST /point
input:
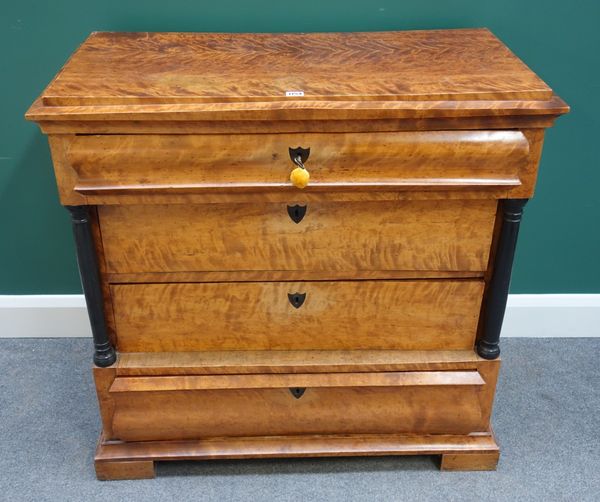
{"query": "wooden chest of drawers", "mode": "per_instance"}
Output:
(236, 314)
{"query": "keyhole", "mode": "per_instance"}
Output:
(297, 392)
(296, 299)
(296, 213)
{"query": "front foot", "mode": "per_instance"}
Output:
(124, 469)
(470, 461)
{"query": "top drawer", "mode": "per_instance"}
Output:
(138, 164)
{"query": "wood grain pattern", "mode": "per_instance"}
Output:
(444, 402)
(335, 315)
(103, 380)
(129, 469)
(298, 446)
(470, 461)
(528, 172)
(299, 361)
(127, 68)
(515, 122)
(404, 235)
(130, 164)
(66, 177)
(488, 370)
(282, 381)
(310, 110)
(358, 75)
(287, 275)
(181, 139)
(299, 197)
(481, 447)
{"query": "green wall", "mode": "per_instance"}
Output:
(559, 249)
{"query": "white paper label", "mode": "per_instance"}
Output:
(291, 94)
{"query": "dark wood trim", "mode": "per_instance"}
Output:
(497, 295)
(104, 353)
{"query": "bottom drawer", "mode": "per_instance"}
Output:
(195, 407)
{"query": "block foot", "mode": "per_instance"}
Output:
(125, 469)
(470, 461)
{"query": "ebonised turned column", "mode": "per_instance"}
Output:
(104, 353)
(489, 344)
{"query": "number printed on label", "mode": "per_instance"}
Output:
(290, 94)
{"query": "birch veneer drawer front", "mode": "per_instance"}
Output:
(450, 235)
(297, 315)
(126, 164)
(196, 407)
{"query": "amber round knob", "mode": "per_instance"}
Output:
(299, 177)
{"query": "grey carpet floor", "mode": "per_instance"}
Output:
(546, 418)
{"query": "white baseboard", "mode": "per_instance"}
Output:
(53, 316)
(554, 316)
(43, 316)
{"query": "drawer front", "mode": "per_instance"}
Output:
(196, 407)
(297, 315)
(421, 235)
(115, 164)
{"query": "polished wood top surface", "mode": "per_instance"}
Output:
(437, 73)
(118, 68)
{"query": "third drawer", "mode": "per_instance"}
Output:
(311, 315)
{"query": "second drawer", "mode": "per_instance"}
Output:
(411, 235)
(403, 315)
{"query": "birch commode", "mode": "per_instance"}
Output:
(295, 244)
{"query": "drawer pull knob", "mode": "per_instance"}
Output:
(296, 299)
(297, 392)
(300, 175)
(296, 213)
